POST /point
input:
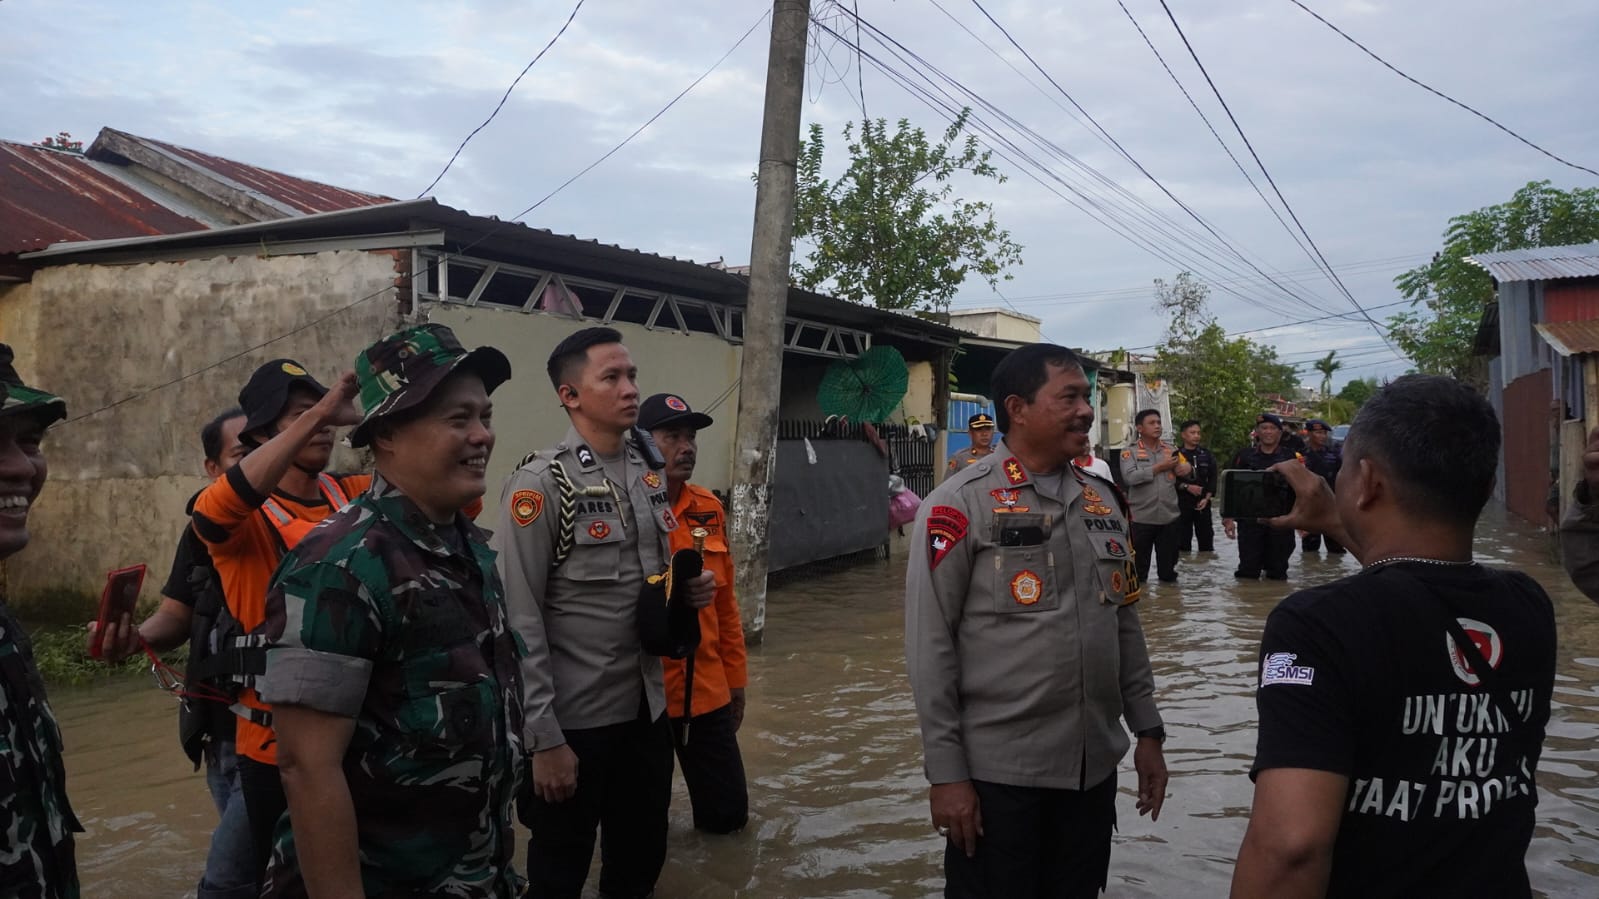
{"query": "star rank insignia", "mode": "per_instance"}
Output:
(1014, 472)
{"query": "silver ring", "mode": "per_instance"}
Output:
(943, 830)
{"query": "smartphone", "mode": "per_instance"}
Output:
(121, 594)
(1254, 494)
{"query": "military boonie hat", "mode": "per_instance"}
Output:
(21, 399)
(1267, 418)
(400, 371)
(979, 422)
(267, 392)
(665, 409)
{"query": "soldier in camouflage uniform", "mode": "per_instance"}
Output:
(394, 672)
(36, 821)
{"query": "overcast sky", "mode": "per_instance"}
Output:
(376, 96)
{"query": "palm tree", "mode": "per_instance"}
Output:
(1327, 366)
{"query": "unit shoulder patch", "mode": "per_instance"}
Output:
(526, 507)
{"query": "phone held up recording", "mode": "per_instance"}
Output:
(1250, 495)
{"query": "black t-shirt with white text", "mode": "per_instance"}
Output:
(1361, 678)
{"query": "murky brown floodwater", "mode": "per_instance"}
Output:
(838, 801)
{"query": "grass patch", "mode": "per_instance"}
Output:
(62, 654)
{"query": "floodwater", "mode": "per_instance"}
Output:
(838, 801)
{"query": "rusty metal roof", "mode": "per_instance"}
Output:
(302, 194)
(49, 196)
(1541, 263)
(1571, 338)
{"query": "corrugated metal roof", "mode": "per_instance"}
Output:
(1571, 338)
(50, 196)
(302, 194)
(1541, 263)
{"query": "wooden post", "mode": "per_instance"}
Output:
(761, 371)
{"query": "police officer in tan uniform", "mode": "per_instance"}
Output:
(1025, 652)
(581, 528)
(980, 428)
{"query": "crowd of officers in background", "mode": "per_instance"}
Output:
(1172, 489)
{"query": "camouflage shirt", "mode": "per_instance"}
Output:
(36, 822)
(380, 616)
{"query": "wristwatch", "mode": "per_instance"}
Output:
(1157, 733)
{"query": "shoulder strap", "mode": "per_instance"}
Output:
(565, 513)
(1486, 676)
(333, 490)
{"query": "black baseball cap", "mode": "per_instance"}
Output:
(1316, 424)
(267, 392)
(1267, 418)
(665, 409)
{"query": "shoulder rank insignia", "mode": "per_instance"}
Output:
(526, 507)
(1014, 473)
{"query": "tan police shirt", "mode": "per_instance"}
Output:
(584, 666)
(1024, 651)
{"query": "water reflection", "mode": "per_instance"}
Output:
(838, 803)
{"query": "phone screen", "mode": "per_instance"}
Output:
(121, 594)
(1254, 494)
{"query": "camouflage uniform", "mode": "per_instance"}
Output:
(384, 620)
(36, 822)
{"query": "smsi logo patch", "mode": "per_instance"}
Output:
(526, 507)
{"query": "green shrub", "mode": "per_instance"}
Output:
(62, 654)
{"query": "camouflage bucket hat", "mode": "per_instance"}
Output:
(20, 398)
(400, 371)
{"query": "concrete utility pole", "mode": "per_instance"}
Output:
(761, 373)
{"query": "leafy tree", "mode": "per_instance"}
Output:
(1338, 411)
(1359, 390)
(1215, 378)
(890, 229)
(1451, 292)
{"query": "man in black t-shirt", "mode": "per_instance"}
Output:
(205, 726)
(1259, 546)
(1402, 709)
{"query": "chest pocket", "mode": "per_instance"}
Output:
(597, 553)
(1024, 569)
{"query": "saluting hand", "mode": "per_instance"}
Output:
(337, 408)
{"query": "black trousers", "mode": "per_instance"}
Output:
(1037, 844)
(624, 789)
(261, 786)
(1312, 543)
(713, 771)
(1160, 542)
(1194, 524)
(1263, 548)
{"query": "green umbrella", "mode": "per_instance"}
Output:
(866, 389)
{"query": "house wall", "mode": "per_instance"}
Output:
(1521, 350)
(701, 368)
(112, 340)
(1571, 300)
(1527, 455)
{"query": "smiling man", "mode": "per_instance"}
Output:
(393, 676)
(1024, 651)
(36, 821)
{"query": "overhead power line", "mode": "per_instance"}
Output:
(1261, 330)
(501, 105)
(1264, 171)
(1436, 92)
